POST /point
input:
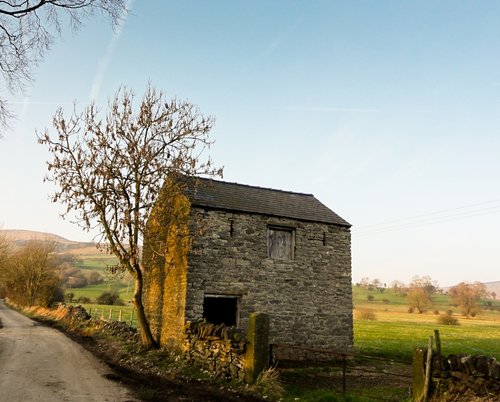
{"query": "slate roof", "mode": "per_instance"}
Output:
(236, 197)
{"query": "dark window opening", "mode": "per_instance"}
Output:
(221, 309)
(231, 229)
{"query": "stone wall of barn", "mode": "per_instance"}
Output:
(308, 298)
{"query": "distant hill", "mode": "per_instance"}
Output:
(26, 235)
(493, 287)
(20, 237)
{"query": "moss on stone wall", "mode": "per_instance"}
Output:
(166, 248)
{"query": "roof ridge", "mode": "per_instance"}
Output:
(257, 187)
(232, 196)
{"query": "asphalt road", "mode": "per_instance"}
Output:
(38, 363)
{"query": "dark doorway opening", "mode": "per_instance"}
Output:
(221, 309)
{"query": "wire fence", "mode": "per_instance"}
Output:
(351, 367)
(113, 313)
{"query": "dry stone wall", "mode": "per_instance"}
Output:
(465, 375)
(218, 349)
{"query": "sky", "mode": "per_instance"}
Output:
(387, 111)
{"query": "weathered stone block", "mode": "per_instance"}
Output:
(482, 366)
(257, 354)
(458, 374)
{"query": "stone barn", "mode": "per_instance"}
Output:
(220, 251)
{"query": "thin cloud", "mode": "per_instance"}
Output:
(27, 101)
(266, 52)
(330, 109)
(95, 89)
(271, 46)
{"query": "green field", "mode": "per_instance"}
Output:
(124, 288)
(99, 262)
(395, 333)
(123, 284)
(96, 262)
(392, 301)
(398, 339)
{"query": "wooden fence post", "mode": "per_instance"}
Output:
(120, 315)
(428, 370)
(418, 375)
(438, 341)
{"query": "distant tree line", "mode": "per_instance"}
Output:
(110, 298)
(72, 277)
(468, 297)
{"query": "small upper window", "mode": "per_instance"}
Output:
(280, 243)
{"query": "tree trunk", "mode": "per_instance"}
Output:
(146, 336)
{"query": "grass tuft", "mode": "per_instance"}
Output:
(447, 319)
(365, 314)
(269, 385)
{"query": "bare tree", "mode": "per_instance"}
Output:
(420, 292)
(364, 282)
(425, 282)
(109, 172)
(399, 288)
(29, 274)
(5, 246)
(468, 297)
(419, 298)
(28, 29)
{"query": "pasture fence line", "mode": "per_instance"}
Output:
(112, 314)
(285, 355)
(466, 376)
